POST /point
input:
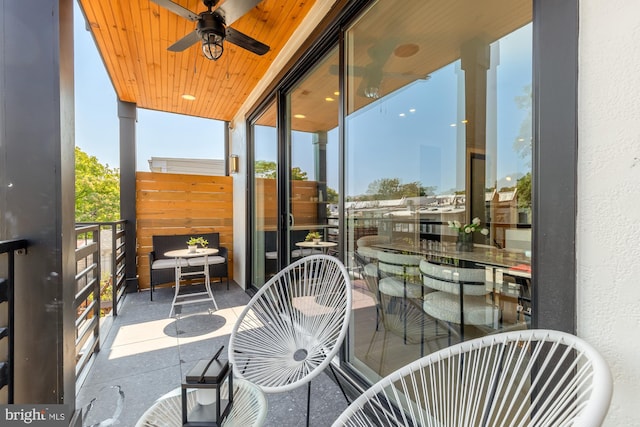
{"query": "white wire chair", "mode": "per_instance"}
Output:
(519, 378)
(293, 326)
(249, 407)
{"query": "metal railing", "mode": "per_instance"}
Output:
(100, 283)
(87, 294)
(9, 247)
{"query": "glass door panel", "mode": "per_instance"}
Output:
(264, 242)
(437, 141)
(312, 118)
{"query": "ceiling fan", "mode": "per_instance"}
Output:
(212, 27)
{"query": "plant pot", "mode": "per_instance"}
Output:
(465, 242)
(317, 241)
(192, 249)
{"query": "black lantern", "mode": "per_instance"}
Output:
(207, 378)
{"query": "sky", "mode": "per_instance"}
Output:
(158, 134)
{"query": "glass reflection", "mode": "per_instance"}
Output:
(438, 176)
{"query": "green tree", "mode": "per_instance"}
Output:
(392, 188)
(97, 190)
(524, 191)
(267, 169)
(332, 195)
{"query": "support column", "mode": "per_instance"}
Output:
(37, 192)
(320, 155)
(127, 114)
(475, 63)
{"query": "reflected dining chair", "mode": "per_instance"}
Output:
(459, 296)
(518, 378)
(292, 328)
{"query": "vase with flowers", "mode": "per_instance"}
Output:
(465, 233)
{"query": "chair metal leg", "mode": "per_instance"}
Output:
(308, 401)
(344, 393)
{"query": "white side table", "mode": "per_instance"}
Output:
(180, 254)
(322, 246)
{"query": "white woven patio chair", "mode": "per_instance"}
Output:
(293, 326)
(519, 378)
(249, 407)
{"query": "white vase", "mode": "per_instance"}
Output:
(192, 249)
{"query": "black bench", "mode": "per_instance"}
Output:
(162, 269)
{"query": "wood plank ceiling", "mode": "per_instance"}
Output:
(133, 35)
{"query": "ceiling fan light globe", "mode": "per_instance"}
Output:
(212, 46)
(372, 92)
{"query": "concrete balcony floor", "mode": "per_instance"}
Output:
(146, 354)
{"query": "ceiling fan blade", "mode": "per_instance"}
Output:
(246, 42)
(234, 9)
(177, 9)
(185, 42)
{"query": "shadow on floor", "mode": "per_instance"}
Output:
(147, 354)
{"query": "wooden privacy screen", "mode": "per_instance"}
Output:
(181, 204)
(304, 203)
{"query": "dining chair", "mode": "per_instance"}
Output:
(459, 296)
(540, 378)
(399, 315)
(292, 328)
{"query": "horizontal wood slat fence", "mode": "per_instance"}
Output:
(181, 204)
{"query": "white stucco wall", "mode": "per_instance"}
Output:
(608, 235)
(238, 137)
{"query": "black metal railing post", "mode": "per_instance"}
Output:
(7, 285)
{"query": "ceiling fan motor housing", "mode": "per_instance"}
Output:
(211, 30)
(211, 22)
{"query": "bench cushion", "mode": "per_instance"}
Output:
(199, 261)
(167, 263)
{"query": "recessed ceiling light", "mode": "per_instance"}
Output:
(465, 121)
(452, 125)
(299, 116)
(188, 97)
(412, 110)
(329, 99)
(336, 93)
(402, 114)
(406, 50)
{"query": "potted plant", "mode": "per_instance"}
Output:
(313, 236)
(193, 243)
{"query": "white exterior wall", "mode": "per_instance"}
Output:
(238, 136)
(608, 235)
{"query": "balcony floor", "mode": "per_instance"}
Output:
(145, 354)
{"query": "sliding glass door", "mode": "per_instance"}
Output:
(264, 203)
(312, 153)
(437, 176)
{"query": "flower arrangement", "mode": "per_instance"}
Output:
(198, 241)
(468, 228)
(314, 235)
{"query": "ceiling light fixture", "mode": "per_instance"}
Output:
(188, 97)
(212, 46)
(299, 116)
(329, 99)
